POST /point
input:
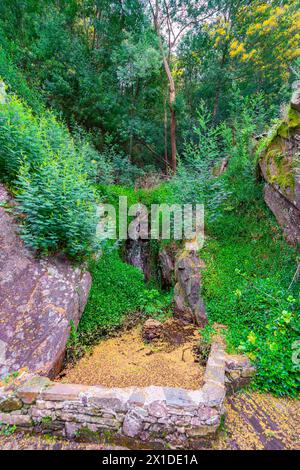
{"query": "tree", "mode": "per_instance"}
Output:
(264, 40)
(171, 19)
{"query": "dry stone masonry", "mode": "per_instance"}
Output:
(133, 416)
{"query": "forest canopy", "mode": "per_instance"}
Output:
(133, 73)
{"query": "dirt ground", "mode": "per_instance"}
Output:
(125, 361)
(253, 422)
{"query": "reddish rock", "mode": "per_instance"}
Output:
(189, 305)
(287, 215)
(279, 166)
(167, 265)
(38, 300)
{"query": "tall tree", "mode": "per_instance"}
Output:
(171, 19)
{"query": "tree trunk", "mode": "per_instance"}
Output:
(166, 158)
(172, 91)
(173, 141)
(172, 97)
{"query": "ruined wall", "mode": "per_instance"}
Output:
(279, 164)
(133, 416)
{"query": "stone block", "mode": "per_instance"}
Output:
(132, 425)
(30, 390)
(202, 431)
(214, 394)
(158, 409)
(10, 403)
(71, 429)
(178, 397)
(15, 420)
(63, 392)
(215, 374)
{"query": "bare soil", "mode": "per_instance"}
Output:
(125, 360)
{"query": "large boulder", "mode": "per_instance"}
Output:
(39, 298)
(280, 167)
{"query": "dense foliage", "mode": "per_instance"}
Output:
(99, 63)
(100, 94)
(249, 271)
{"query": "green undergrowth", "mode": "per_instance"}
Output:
(246, 287)
(161, 194)
(118, 291)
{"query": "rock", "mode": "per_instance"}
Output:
(189, 306)
(152, 329)
(72, 429)
(278, 164)
(287, 215)
(295, 101)
(132, 425)
(167, 266)
(63, 392)
(38, 300)
(15, 420)
(10, 403)
(158, 409)
(137, 253)
(239, 372)
(29, 391)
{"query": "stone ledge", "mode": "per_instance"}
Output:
(151, 415)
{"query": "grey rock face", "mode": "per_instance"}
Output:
(38, 300)
(189, 306)
(167, 266)
(287, 215)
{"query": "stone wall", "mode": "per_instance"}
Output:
(156, 416)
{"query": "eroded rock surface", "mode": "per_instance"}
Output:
(167, 265)
(38, 300)
(280, 166)
(189, 305)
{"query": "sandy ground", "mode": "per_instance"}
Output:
(253, 422)
(125, 361)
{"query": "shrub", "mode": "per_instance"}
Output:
(20, 137)
(58, 203)
(51, 176)
(15, 79)
(194, 181)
